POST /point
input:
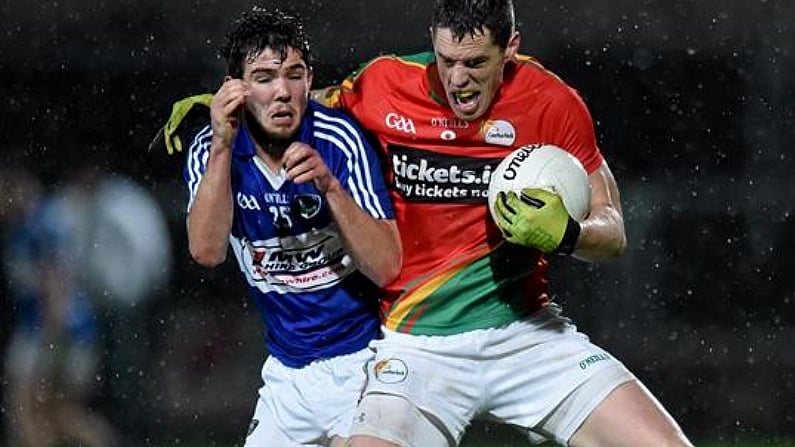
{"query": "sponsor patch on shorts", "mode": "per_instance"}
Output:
(391, 371)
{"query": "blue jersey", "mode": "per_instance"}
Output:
(314, 302)
(49, 239)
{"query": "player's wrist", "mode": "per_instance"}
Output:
(570, 237)
(221, 140)
(329, 185)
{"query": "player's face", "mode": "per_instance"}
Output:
(279, 89)
(471, 70)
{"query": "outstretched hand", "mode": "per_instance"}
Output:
(170, 132)
(536, 218)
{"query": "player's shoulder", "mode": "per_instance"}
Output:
(325, 116)
(531, 75)
(333, 121)
(394, 65)
(201, 139)
(398, 61)
(528, 67)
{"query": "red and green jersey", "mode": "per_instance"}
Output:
(458, 273)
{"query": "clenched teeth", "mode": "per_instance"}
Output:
(463, 97)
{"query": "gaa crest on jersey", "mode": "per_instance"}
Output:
(247, 201)
(308, 205)
(399, 122)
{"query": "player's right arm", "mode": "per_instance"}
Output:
(210, 213)
(603, 234)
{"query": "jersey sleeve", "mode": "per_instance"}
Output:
(368, 177)
(196, 162)
(360, 169)
(345, 95)
(573, 128)
(370, 82)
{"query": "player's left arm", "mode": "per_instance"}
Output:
(374, 244)
(602, 233)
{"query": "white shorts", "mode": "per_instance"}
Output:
(539, 374)
(310, 405)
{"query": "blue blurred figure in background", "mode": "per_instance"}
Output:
(53, 357)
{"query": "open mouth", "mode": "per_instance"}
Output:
(282, 116)
(466, 101)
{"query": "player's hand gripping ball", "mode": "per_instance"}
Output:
(538, 195)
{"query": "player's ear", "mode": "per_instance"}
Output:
(512, 49)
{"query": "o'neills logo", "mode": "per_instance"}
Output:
(449, 122)
(498, 132)
(589, 361)
(517, 158)
(390, 371)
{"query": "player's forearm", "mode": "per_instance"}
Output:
(373, 244)
(602, 236)
(210, 219)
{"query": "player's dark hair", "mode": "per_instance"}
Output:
(258, 29)
(470, 17)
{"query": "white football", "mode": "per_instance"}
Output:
(544, 166)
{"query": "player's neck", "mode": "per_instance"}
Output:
(271, 155)
(269, 150)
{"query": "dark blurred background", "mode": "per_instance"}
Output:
(693, 103)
